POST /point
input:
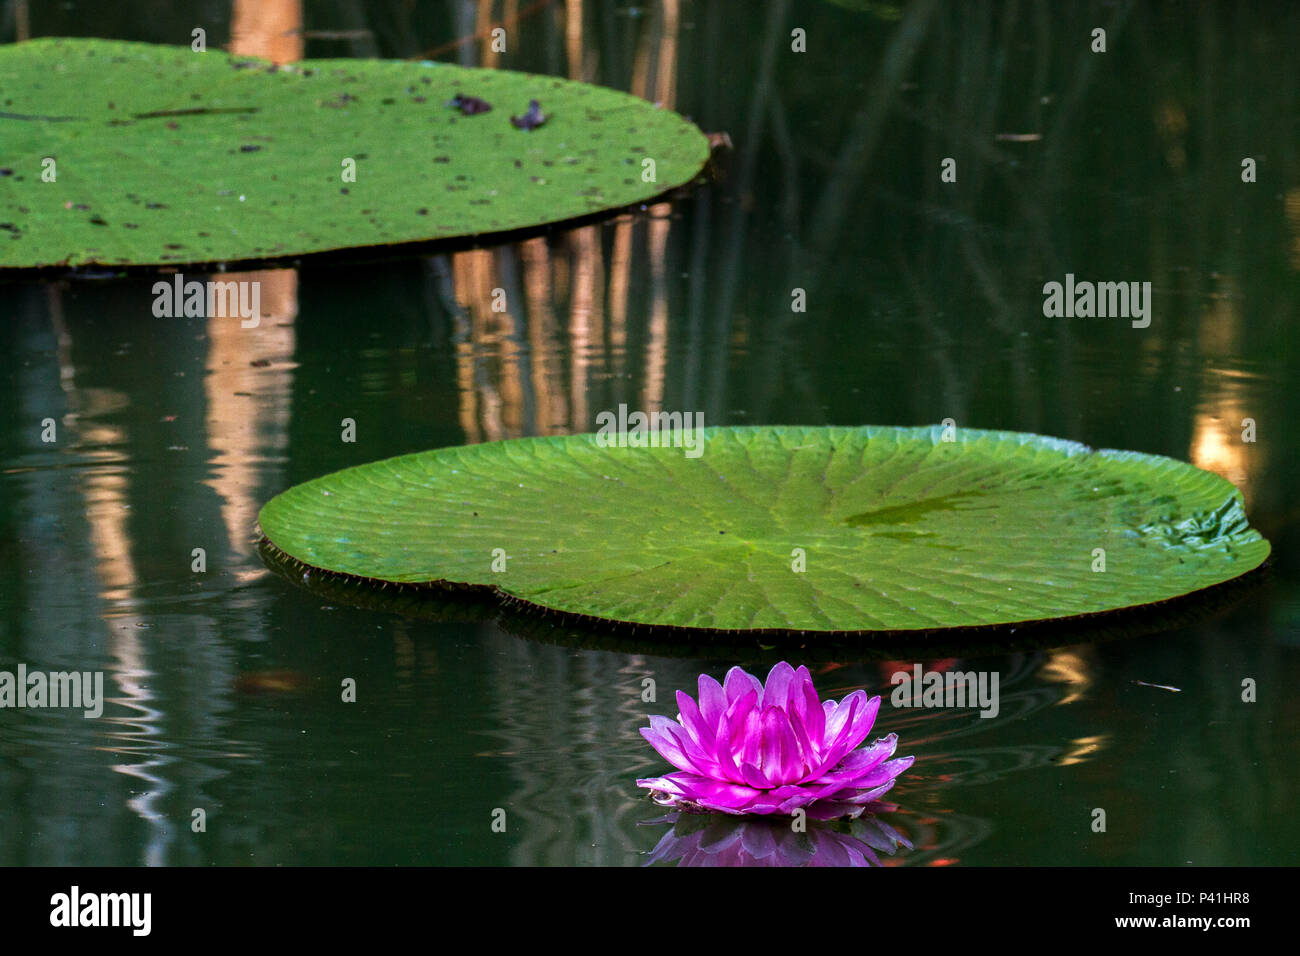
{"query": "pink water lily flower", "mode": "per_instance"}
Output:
(748, 748)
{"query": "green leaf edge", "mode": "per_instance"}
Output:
(275, 555)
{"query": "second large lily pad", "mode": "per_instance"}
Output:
(783, 528)
(162, 155)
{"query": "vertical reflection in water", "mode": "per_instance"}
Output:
(483, 29)
(657, 346)
(620, 270)
(105, 490)
(1217, 443)
(472, 274)
(508, 388)
(462, 348)
(521, 402)
(662, 90)
(573, 24)
(243, 406)
(543, 340)
(585, 318)
(248, 408)
(139, 738)
(270, 29)
(464, 15)
(568, 726)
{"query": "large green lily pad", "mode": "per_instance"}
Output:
(166, 156)
(894, 528)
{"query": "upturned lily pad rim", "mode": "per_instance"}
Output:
(443, 602)
(359, 255)
(1039, 631)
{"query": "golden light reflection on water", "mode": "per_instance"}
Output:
(1221, 427)
(1083, 749)
(1070, 667)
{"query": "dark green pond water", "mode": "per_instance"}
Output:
(924, 302)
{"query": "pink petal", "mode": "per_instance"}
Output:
(772, 753)
(805, 703)
(776, 692)
(700, 730)
(694, 788)
(731, 729)
(808, 756)
(859, 717)
(862, 761)
(755, 777)
(713, 702)
(838, 719)
(670, 739)
(738, 683)
(860, 726)
(750, 745)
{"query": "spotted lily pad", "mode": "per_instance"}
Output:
(782, 528)
(119, 153)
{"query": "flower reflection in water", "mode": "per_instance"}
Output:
(715, 839)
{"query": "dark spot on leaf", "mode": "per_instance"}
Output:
(249, 148)
(469, 105)
(530, 120)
